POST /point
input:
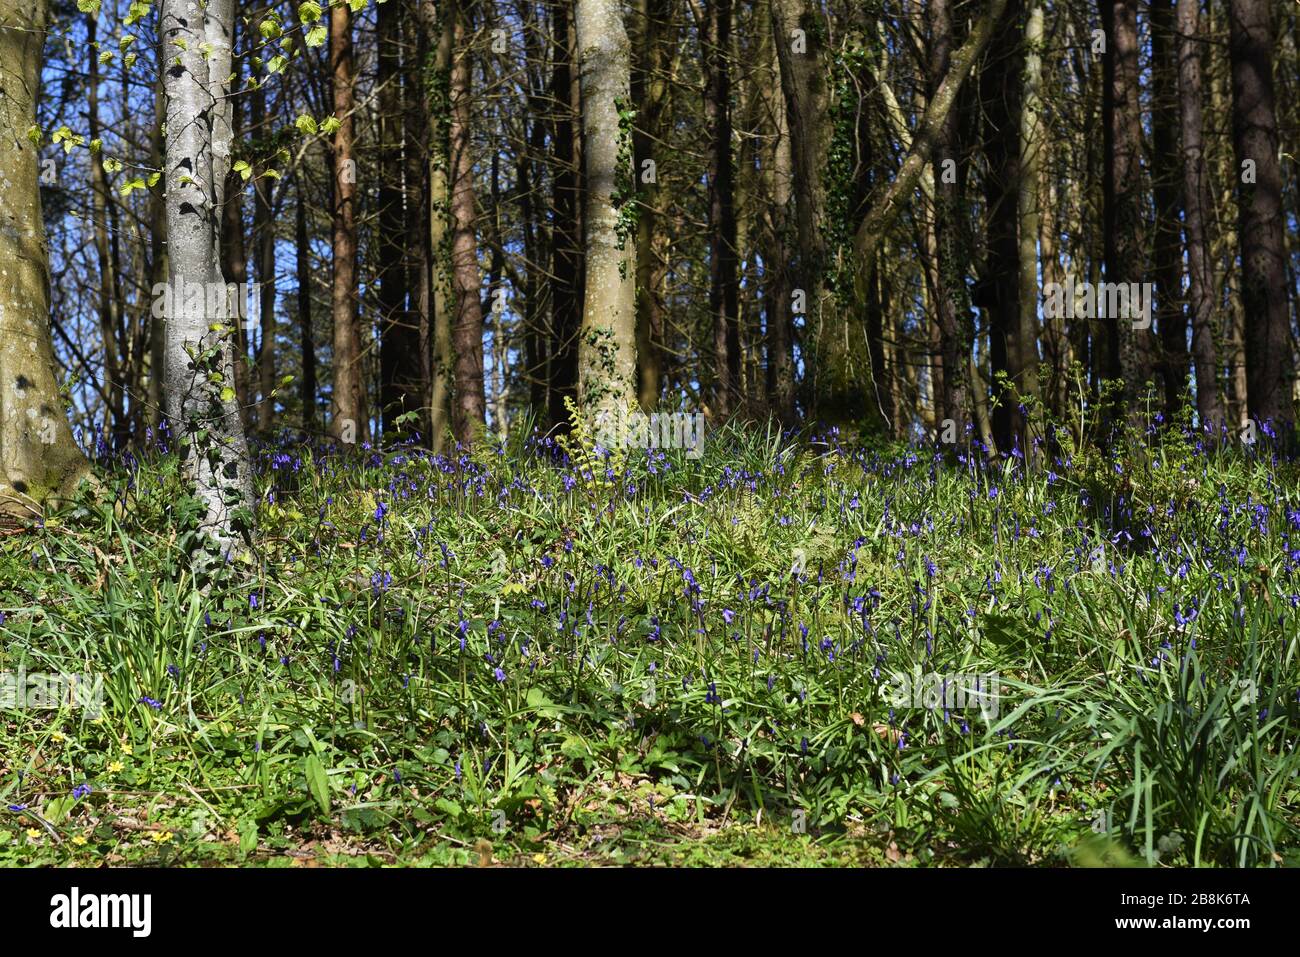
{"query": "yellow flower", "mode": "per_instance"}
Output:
(115, 766)
(33, 833)
(58, 736)
(127, 749)
(539, 858)
(160, 837)
(79, 841)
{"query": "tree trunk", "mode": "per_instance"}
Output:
(607, 344)
(567, 283)
(400, 388)
(723, 285)
(349, 422)
(306, 340)
(952, 302)
(39, 461)
(436, 28)
(264, 236)
(110, 317)
(204, 415)
(1196, 218)
(650, 93)
(1166, 187)
(1027, 205)
(1259, 203)
(1123, 195)
(1000, 287)
(779, 181)
(468, 411)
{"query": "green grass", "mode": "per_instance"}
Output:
(660, 700)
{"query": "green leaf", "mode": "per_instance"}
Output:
(34, 134)
(138, 11)
(130, 185)
(88, 6)
(276, 64)
(306, 124)
(316, 36)
(330, 126)
(228, 395)
(308, 12)
(318, 782)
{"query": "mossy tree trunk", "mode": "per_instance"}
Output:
(39, 461)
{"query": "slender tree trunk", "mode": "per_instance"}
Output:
(567, 282)
(1000, 288)
(607, 344)
(799, 39)
(436, 28)
(779, 161)
(39, 461)
(306, 339)
(110, 318)
(469, 406)
(952, 302)
(399, 334)
(264, 236)
(1123, 195)
(1196, 218)
(723, 283)
(651, 94)
(349, 422)
(1259, 203)
(1166, 186)
(158, 268)
(205, 417)
(1027, 203)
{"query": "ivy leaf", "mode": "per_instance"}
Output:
(227, 394)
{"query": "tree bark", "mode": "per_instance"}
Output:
(39, 461)
(400, 387)
(349, 422)
(607, 343)
(1259, 204)
(199, 363)
(723, 283)
(1196, 217)
(468, 411)
(1122, 193)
